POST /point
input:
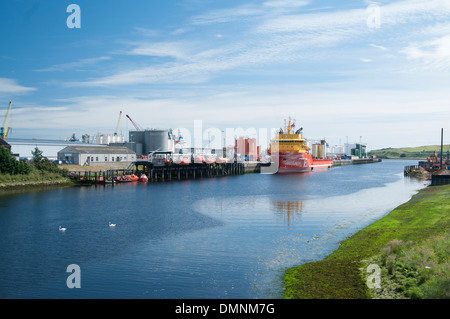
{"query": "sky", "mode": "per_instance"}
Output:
(355, 70)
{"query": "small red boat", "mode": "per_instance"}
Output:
(123, 179)
(143, 178)
(133, 177)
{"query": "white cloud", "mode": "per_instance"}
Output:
(178, 50)
(377, 113)
(382, 48)
(434, 54)
(10, 86)
(271, 38)
(74, 65)
(227, 15)
(285, 3)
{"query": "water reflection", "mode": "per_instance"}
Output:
(288, 209)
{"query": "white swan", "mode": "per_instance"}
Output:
(62, 229)
(111, 225)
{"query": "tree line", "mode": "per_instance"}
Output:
(10, 165)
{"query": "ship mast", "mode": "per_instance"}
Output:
(289, 128)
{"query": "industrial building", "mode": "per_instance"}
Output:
(106, 139)
(319, 150)
(357, 149)
(96, 155)
(49, 148)
(152, 140)
(247, 149)
(143, 142)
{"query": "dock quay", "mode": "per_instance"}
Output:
(188, 171)
(183, 172)
(160, 173)
(355, 161)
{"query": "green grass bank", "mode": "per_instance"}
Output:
(421, 152)
(36, 179)
(411, 246)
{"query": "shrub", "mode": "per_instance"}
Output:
(49, 166)
(417, 270)
(9, 164)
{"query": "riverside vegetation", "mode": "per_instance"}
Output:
(410, 152)
(39, 172)
(411, 245)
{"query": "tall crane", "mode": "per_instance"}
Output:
(118, 124)
(5, 129)
(138, 128)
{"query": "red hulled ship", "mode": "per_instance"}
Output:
(289, 148)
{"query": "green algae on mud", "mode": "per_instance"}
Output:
(425, 215)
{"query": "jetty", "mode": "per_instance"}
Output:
(159, 173)
(185, 172)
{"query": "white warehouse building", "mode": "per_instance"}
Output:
(96, 155)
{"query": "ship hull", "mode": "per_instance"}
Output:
(301, 162)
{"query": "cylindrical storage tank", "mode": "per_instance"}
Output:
(139, 149)
(136, 136)
(315, 150)
(156, 140)
(321, 151)
(171, 145)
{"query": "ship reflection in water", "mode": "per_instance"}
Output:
(288, 209)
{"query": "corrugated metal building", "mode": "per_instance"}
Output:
(49, 148)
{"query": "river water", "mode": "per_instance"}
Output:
(227, 237)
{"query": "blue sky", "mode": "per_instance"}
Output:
(342, 69)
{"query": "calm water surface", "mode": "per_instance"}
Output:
(230, 237)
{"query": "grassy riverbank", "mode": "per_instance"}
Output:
(32, 180)
(410, 245)
(419, 152)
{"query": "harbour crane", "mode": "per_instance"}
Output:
(138, 128)
(5, 128)
(118, 124)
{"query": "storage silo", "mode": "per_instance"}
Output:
(320, 150)
(315, 150)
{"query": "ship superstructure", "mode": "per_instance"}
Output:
(290, 148)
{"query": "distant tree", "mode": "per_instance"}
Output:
(37, 155)
(44, 164)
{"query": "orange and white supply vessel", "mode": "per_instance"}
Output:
(293, 153)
